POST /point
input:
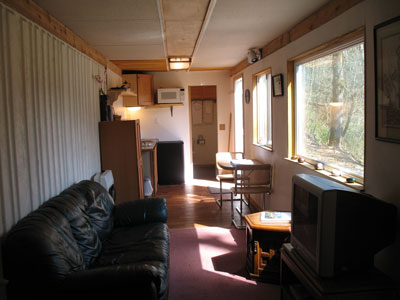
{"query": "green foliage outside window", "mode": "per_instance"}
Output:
(330, 109)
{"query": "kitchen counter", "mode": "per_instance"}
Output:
(149, 144)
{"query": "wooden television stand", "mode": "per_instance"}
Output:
(299, 282)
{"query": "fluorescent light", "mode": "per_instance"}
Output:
(179, 63)
(134, 108)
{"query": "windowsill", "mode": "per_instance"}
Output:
(263, 147)
(340, 179)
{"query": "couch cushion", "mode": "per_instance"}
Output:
(41, 248)
(139, 246)
(71, 206)
(147, 242)
(98, 206)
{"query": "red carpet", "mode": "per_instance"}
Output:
(209, 263)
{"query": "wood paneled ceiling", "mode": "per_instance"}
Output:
(216, 34)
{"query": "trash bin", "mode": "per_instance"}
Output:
(148, 188)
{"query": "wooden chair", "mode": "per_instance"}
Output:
(225, 175)
(250, 179)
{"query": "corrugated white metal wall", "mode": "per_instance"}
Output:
(49, 113)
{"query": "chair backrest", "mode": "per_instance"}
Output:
(226, 156)
(255, 177)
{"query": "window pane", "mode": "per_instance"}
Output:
(261, 108)
(264, 120)
(268, 111)
(239, 132)
(330, 109)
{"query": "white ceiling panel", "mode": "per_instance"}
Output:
(135, 32)
(237, 25)
(132, 29)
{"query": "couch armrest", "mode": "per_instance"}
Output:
(140, 212)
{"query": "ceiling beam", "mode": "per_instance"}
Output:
(210, 69)
(157, 65)
(323, 15)
(162, 24)
(38, 15)
(203, 28)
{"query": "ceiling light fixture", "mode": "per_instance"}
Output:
(179, 63)
(133, 108)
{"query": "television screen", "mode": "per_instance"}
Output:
(305, 214)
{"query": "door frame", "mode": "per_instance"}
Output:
(190, 116)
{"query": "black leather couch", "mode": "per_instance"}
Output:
(80, 245)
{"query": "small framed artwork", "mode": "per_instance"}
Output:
(387, 80)
(277, 85)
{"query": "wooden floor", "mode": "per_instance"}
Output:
(192, 205)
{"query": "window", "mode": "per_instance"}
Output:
(262, 127)
(238, 103)
(329, 108)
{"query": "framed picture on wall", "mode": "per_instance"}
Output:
(277, 85)
(387, 80)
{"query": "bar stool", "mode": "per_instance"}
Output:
(250, 179)
(225, 175)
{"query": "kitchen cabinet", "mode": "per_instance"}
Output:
(141, 85)
(204, 92)
(120, 151)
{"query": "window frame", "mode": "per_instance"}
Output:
(255, 76)
(337, 44)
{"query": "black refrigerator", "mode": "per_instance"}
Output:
(170, 163)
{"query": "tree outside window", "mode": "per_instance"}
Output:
(329, 105)
(262, 128)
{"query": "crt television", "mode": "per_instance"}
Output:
(336, 228)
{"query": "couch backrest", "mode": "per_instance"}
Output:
(72, 206)
(63, 235)
(41, 247)
(98, 205)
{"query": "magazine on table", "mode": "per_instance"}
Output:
(275, 216)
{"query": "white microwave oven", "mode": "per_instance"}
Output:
(171, 95)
